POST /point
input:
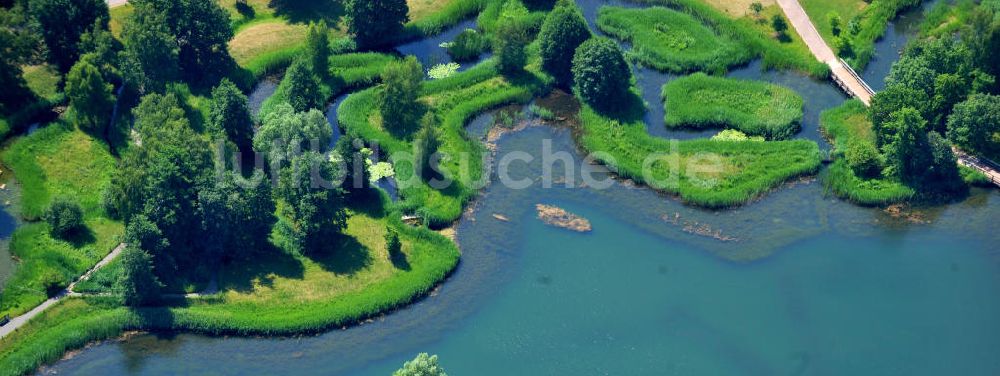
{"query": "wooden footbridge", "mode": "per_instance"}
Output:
(851, 82)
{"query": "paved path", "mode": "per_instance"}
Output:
(114, 3)
(19, 321)
(991, 170)
(842, 74)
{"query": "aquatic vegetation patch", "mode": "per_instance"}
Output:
(672, 41)
(754, 108)
(455, 100)
(440, 71)
(703, 172)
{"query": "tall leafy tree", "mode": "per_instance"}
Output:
(202, 30)
(137, 284)
(303, 87)
(562, 32)
(313, 209)
(887, 102)
(284, 133)
(975, 125)
(62, 22)
(376, 22)
(150, 57)
(229, 115)
(143, 234)
(907, 149)
(238, 216)
(101, 49)
(427, 143)
(511, 37)
(318, 46)
(90, 97)
(398, 99)
(600, 73)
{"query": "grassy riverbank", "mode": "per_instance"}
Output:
(752, 107)
(279, 294)
(846, 124)
(57, 160)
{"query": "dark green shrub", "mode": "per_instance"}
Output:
(601, 76)
(864, 159)
(563, 31)
(65, 217)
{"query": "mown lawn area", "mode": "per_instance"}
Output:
(57, 160)
(845, 124)
(671, 41)
(819, 11)
(752, 107)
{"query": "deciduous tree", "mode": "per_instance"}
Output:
(62, 22)
(562, 32)
(398, 99)
(376, 22)
(600, 73)
(229, 115)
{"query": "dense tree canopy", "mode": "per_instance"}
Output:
(600, 73)
(562, 32)
(238, 213)
(314, 210)
(284, 133)
(202, 31)
(62, 22)
(101, 49)
(303, 87)
(318, 47)
(90, 97)
(511, 37)
(398, 100)
(229, 115)
(375, 22)
(887, 102)
(975, 125)
(150, 58)
(137, 284)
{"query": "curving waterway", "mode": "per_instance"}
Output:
(802, 284)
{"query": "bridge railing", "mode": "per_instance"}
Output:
(857, 77)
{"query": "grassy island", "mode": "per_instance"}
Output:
(755, 108)
(709, 173)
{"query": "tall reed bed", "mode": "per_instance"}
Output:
(707, 173)
(752, 107)
(671, 41)
(775, 54)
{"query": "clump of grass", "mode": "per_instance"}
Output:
(672, 41)
(752, 107)
(541, 112)
(468, 45)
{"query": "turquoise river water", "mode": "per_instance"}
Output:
(802, 284)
